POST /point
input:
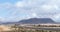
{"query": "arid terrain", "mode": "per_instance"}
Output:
(30, 27)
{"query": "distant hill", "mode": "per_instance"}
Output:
(37, 20)
(32, 21)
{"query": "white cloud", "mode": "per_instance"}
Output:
(2, 19)
(20, 4)
(34, 14)
(56, 7)
(49, 7)
(46, 7)
(32, 8)
(56, 16)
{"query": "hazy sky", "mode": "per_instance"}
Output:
(15, 10)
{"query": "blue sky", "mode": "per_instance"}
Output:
(11, 1)
(15, 10)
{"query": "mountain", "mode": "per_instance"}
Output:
(37, 20)
(32, 21)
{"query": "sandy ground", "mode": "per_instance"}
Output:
(4, 28)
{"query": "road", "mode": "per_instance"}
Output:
(45, 28)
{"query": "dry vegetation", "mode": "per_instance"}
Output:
(18, 28)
